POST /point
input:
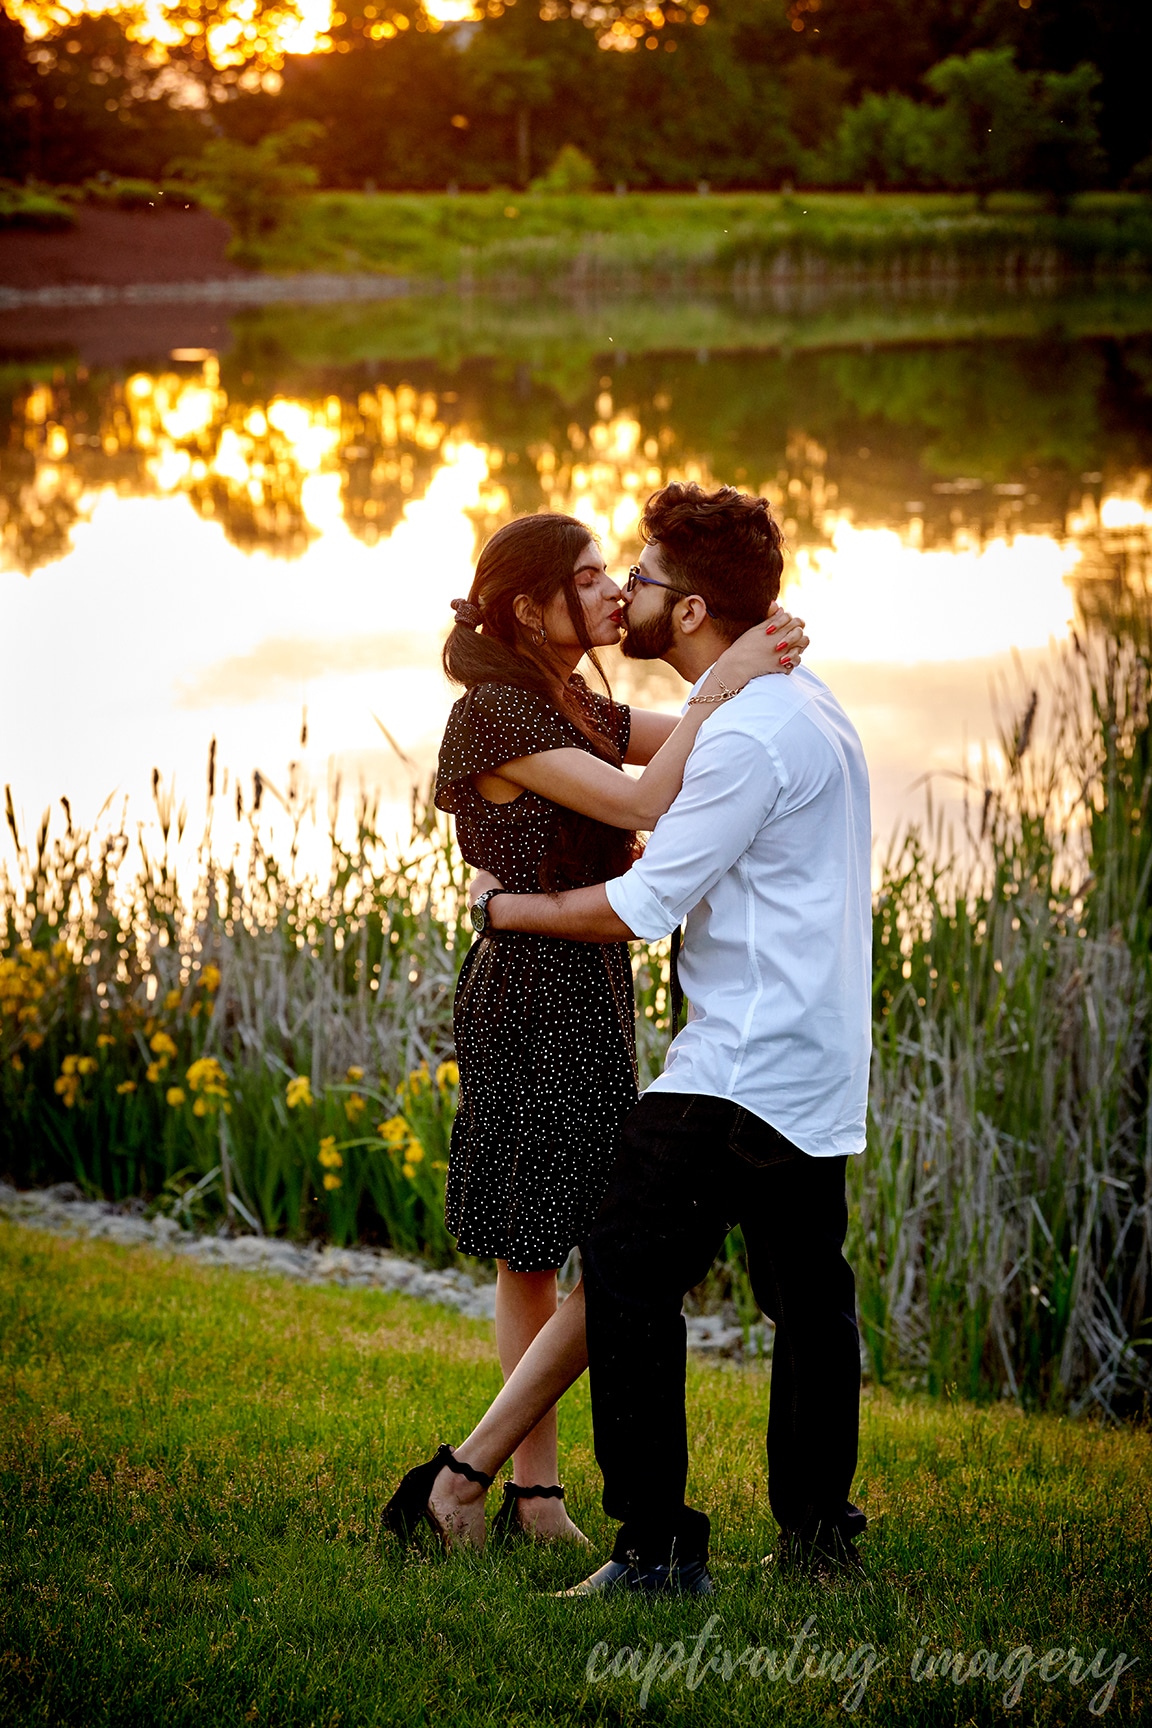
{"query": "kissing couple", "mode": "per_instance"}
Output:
(757, 805)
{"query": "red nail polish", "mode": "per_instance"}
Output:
(785, 662)
(771, 630)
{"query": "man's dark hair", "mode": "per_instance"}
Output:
(723, 545)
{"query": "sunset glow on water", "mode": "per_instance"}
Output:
(189, 559)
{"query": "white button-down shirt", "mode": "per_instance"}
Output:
(768, 850)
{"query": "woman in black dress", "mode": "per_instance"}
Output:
(531, 768)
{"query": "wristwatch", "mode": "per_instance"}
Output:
(479, 912)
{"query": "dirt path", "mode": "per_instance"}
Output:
(113, 248)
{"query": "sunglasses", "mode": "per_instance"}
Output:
(637, 578)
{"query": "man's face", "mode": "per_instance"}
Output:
(649, 627)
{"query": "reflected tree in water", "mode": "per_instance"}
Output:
(979, 439)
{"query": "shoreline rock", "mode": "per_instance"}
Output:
(62, 1210)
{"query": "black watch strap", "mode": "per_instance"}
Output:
(483, 926)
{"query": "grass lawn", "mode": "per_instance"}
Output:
(596, 235)
(194, 1464)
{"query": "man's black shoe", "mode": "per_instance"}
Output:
(822, 1547)
(830, 1555)
(686, 1578)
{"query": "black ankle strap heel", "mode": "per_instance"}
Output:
(446, 1457)
(506, 1523)
(409, 1505)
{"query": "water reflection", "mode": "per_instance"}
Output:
(273, 470)
(215, 542)
(874, 586)
(949, 441)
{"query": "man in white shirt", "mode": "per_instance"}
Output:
(763, 1097)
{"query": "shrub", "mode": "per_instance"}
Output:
(253, 186)
(29, 207)
(139, 194)
(571, 172)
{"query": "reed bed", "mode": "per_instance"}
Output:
(240, 1038)
(1003, 1227)
(250, 1043)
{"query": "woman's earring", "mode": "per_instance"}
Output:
(541, 636)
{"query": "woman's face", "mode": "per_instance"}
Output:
(601, 599)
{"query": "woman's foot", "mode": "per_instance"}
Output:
(444, 1492)
(456, 1507)
(548, 1521)
(536, 1511)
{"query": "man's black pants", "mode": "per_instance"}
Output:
(688, 1169)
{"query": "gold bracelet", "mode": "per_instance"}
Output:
(726, 697)
(728, 693)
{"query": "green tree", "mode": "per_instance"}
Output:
(253, 186)
(886, 141)
(1066, 155)
(88, 99)
(508, 82)
(988, 119)
(814, 92)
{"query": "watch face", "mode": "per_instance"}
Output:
(479, 917)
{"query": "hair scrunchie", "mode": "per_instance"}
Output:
(467, 614)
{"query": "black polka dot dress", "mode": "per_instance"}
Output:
(545, 1029)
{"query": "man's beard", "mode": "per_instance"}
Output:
(651, 640)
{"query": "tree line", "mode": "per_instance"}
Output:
(735, 93)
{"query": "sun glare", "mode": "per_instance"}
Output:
(244, 34)
(236, 33)
(451, 11)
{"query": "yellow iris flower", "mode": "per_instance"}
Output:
(299, 1091)
(328, 1154)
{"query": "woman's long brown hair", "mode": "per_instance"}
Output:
(535, 556)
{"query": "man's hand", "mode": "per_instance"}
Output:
(580, 914)
(480, 883)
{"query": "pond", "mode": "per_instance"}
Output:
(254, 537)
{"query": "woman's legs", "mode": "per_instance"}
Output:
(520, 1422)
(525, 1302)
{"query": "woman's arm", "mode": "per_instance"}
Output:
(593, 787)
(649, 731)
